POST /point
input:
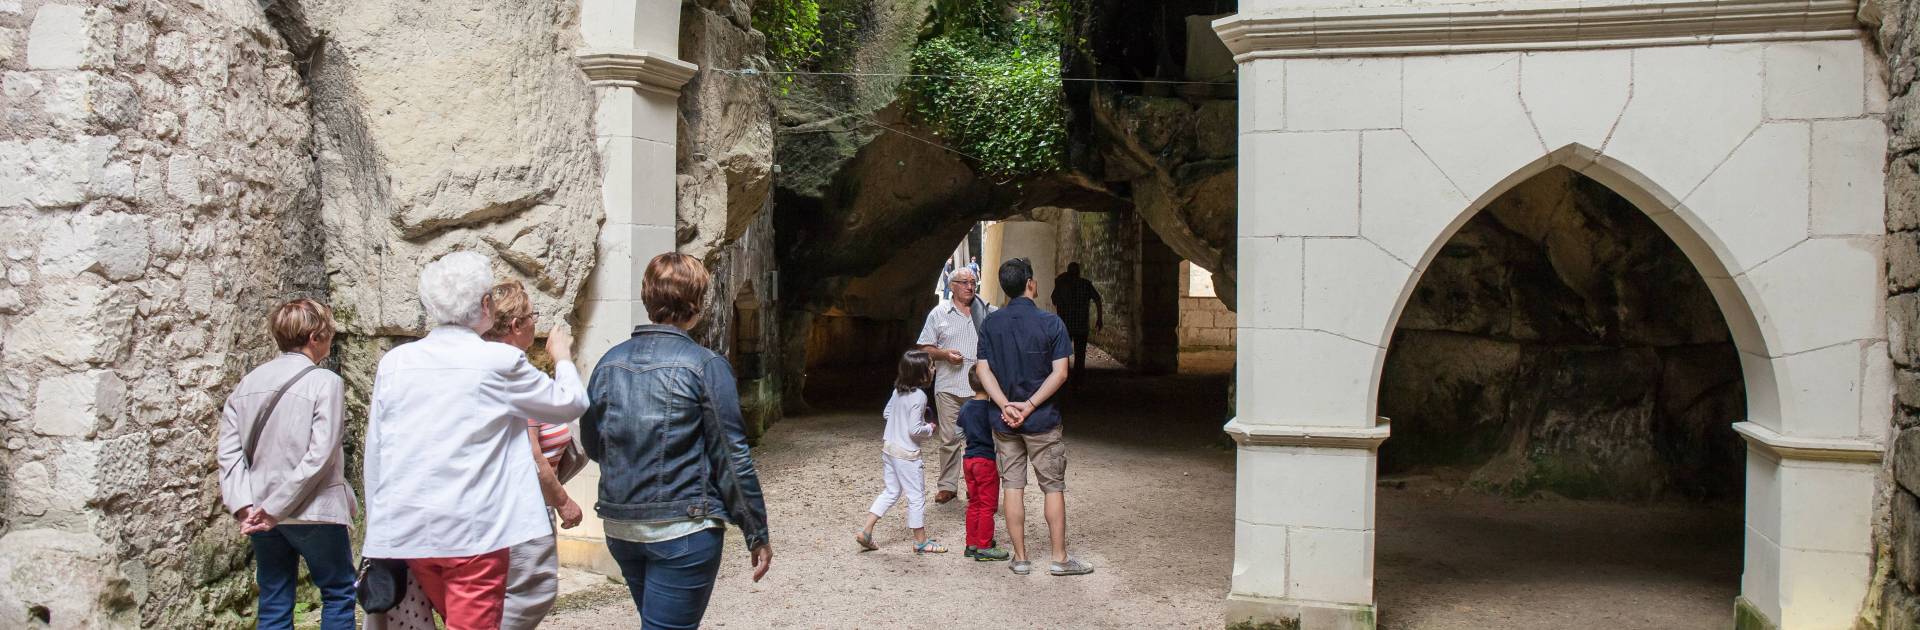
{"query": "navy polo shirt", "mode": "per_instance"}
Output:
(1020, 343)
(976, 423)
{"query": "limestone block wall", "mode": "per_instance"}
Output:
(157, 197)
(1760, 155)
(1205, 322)
(1898, 39)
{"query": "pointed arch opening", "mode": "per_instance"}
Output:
(1563, 372)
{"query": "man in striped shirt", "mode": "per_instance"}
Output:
(950, 336)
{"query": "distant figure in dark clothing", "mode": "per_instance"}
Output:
(946, 276)
(1071, 293)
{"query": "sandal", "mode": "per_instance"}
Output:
(866, 541)
(931, 546)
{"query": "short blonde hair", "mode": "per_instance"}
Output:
(510, 304)
(298, 322)
(674, 288)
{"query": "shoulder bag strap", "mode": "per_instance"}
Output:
(260, 422)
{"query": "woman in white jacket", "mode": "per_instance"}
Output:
(450, 476)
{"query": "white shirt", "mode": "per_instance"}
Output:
(449, 470)
(906, 423)
(947, 327)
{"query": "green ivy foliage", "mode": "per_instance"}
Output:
(989, 85)
(792, 27)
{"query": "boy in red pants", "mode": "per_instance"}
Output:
(982, 474)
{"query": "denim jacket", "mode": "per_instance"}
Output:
(665, 427)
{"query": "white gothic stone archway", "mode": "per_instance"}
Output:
(1750, 130)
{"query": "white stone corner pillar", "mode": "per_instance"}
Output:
(1303, 525)
(628, 57)
(1809, 536)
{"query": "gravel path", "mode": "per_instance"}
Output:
(1150, 504)
(1151, 508)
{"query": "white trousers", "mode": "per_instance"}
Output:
(902, 476)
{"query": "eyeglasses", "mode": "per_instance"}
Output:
(966, 283)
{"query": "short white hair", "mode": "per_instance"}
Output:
(451, 289)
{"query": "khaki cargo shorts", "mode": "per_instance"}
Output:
(1045, 450)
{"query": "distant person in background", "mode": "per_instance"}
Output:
(281, 469)
(946, 275)
(973, 264)
(1071, 293)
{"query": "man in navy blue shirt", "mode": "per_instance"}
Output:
(1023, 359)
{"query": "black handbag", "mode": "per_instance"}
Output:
(381, 585)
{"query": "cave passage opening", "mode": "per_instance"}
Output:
(1562, 387)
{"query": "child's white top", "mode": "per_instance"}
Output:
(906, 421)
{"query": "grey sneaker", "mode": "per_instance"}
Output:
(1021, 567)
(989, 554)
(1073, 566)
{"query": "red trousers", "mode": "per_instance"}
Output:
(983, 499)
(469, 592)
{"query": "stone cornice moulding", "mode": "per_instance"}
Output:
(1780, 446)
(1516, 25)
(1254, 434)
(634, 68)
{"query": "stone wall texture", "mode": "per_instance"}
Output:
(158, 197)
(462, 125)
(1898, 561)
(1106, 246)
(1561, 342)
(724, 215)
(1205, 322)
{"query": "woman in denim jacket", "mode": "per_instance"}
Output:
(674, 465)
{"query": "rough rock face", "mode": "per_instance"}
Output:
(1172, 156)
(437, 133)
(157, 191)
(1176, 157)
(725, 192)
(1898, 37)
(826, 120)
(1561, 342)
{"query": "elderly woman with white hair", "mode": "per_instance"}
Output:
(450, 477)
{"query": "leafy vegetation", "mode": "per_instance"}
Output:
(988, 82)
(793, 31)
(801, 33)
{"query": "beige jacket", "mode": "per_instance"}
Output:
(297, 470)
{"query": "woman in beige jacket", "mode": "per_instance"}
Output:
(281, 471)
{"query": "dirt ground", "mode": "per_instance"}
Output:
(1150, 504)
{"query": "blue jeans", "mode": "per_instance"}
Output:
(329, 554)
(670, 581)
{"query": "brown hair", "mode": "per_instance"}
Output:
(673, 288)
(299, 321)
(510, 304)
(973, 381)
(914, 371)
